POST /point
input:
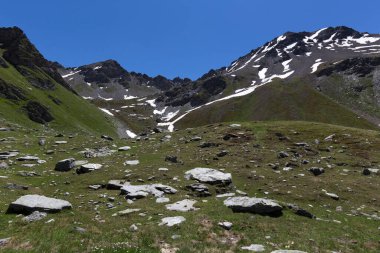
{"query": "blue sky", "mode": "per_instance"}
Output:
(173, 37)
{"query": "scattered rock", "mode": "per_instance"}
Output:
(3, 165)
(171, 158)
(133, 228)
(196, 138)
(86, 168)
(125, 148)
(42, 142)
(254, 205)
(222, 153)
(141, 191)
(171, 221)
(35, 216)
(95, 186)
(287, 251)
(207, 145)
(316, 171)
(182, 205)
(254, 248)
(106, 137)
(115, 184)
(229, 136)
(13, 186)
(331, 195)
(80, 230)
(65, 165)
(4, 241)
(126, 212)
(162, 200)
(225, 224)
(30, 203)
(28, 158)
(132, 162)
(199, 190)
(301, 212)
(210, 176)
(282, 154)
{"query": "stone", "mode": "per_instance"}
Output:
(95, 186)
(199, 190)
(3, 165)
(235, 125)
(332, 195)
(300, 211)
(133, 228)
(196, 138)
(132, 162)
(254, 248)
(142, 191)
(125, 148)
(229, 136)
(254, 205)
(282, 154)
(4, 241)
(8, 154)
(207, 145)
(115, 184)
(98, 152)
(126, 212)
(86, 168)
(222, 153)
(13, 186)
(226, 195)
(80, 230)
(316, 171)
(80, 162)
(28, 173)
(28, 158)
(65, 165)
(182, 205)
(35, 216)
(330, 137)
(106, 137)
(172, 221)
(171, 158)
(210, 176)
(225, 224)
(42, 142)
(60, 142)
(30, 203)
(162, 200)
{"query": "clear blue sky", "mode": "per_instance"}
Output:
(173, 37)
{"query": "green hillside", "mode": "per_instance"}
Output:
(70, 112)
(277, 101)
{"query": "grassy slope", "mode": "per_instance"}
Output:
(73, 114)
(277, 101)
(200, 233)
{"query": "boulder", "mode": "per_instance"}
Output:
(210, 176)
(254, 205)
(141, 191)
(288, 251)
(254, 248)
(300, 211)
(125, 148)
(171, 158)
(182, 205)
(282, 154)
(115, 184)
(86, 168)
(35, 216)
(28, 158)
(106, 137)
(171, 221)
(65, 165)
(225, 224)
(199, 190)
(316, 171)
(30, 203)
(132, 162)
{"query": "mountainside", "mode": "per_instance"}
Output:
(340, 63)
(33, 93)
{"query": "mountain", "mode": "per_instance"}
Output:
(304, 75)
(33, 93)
(340, 63)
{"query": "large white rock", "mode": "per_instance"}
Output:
(253, 205)
(125, 148)
(30, 203)
(210, 176)
(171, 221)
(141, 191)
(182, 205)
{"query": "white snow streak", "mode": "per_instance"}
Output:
(106, 111)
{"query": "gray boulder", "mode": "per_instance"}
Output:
(65, 165)
(172, 221)
(182, 205)
(254, 205)
(142, 191)
(86, 168)
(30, 203)
(35, 216)
(316, 171)
(210, 176)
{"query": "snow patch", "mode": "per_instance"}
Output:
(126, 97)
(286, 65)
(131, 134)
(106, 111)
(262, 73)
(151, 102)
(71, 73)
